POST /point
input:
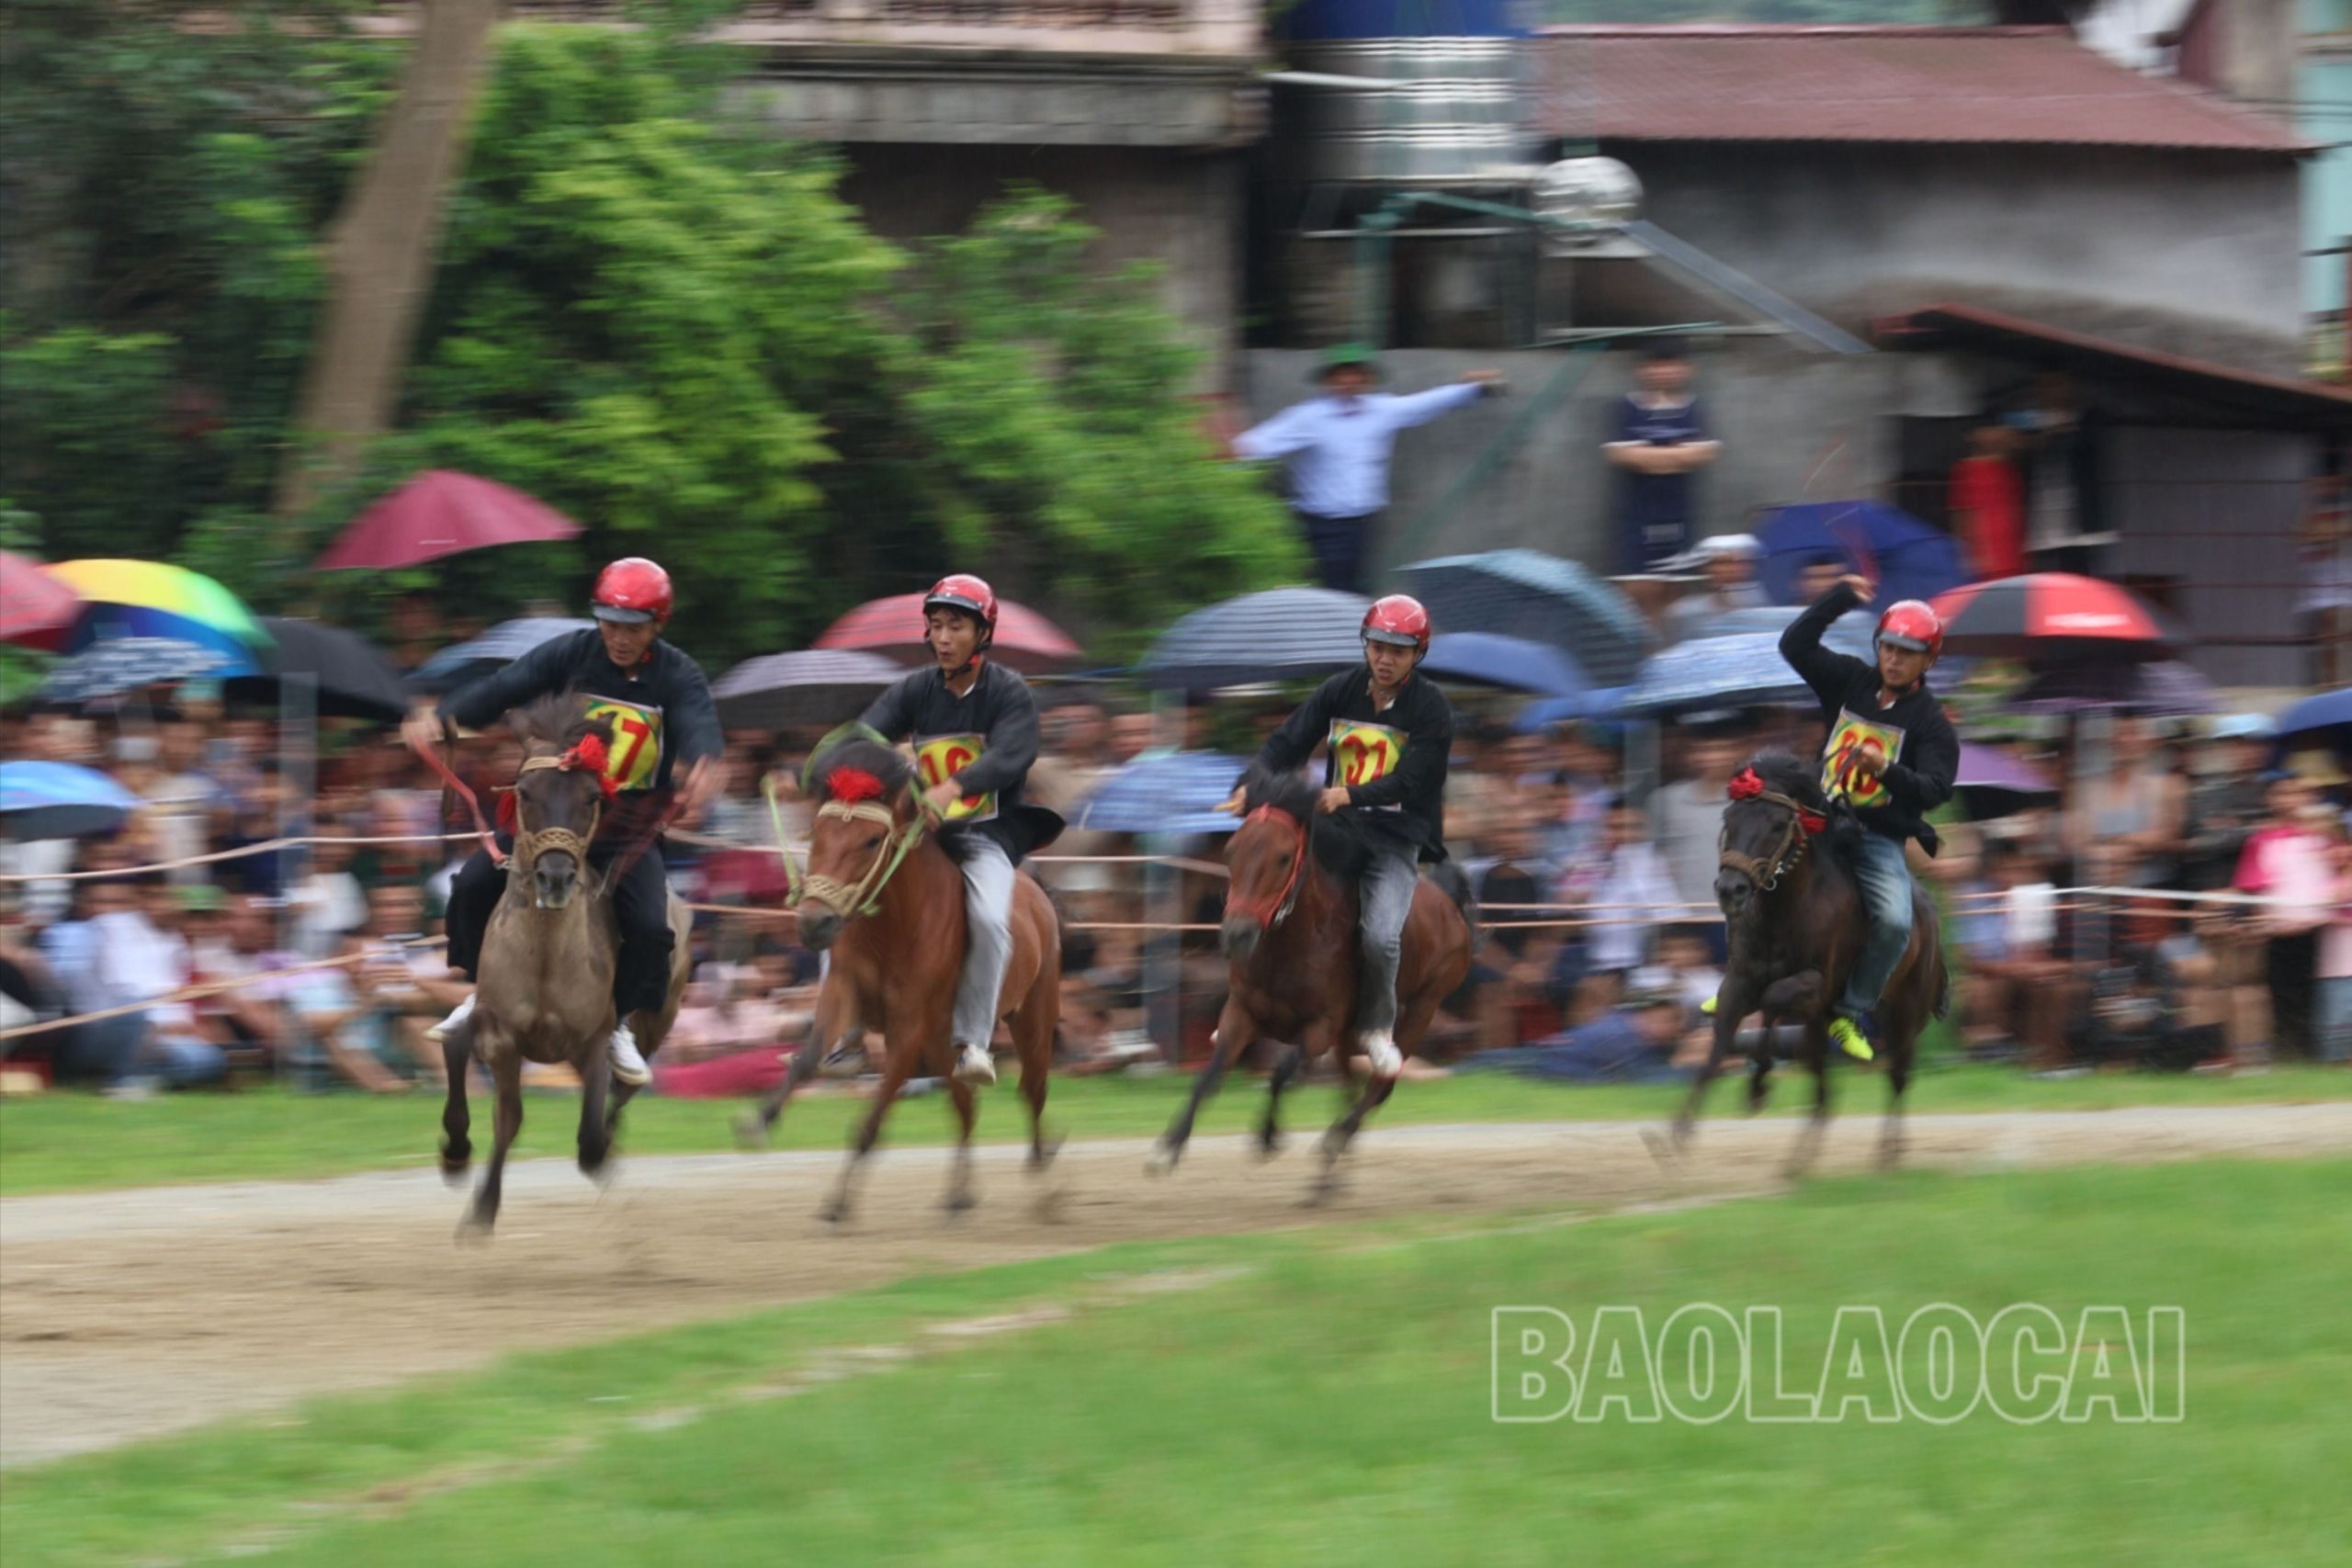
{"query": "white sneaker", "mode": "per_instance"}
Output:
(628, 1064)
(448, 1026)
(1381, 1055)
(974, 1067)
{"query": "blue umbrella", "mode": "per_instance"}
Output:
(1528, 594)
(59, 800)
(1174, 792)
(1284, 634)
(1601, 701)
(502, 644)
(1490, 659)
(127, 663)
(2329, 710)
(1850, 633)
(1914, 559)
(1716, 672)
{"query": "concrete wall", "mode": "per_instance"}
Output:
(1182, 211)
(1855, 230)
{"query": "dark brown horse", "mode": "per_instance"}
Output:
(546, 993)
(1291, 943)
(889, 901)
(1797, 926)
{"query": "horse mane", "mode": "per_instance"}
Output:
(1786, 774)
(1338, 845)
(886, 765)
(559, 722)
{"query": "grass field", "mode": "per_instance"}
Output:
(1322, 1396)
(60, 1142)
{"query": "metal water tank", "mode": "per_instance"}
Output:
(1450, 110)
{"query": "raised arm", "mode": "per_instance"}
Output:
(1304, 730)
(1419, 408)
(1287, 432)
(1829, 674)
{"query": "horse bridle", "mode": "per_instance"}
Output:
(1270, 913)
(1766, 871)
(864, 896)
(533, 842)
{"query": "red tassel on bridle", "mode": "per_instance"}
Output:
(1746, 785)
(849, 786)
(590, 754)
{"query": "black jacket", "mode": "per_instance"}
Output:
(985, 740)
(1922, 751)
(1394, 765)
(661, 711)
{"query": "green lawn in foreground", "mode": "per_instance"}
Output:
(1328, 1403)
(59, 1141)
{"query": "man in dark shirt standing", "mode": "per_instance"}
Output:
(1390, 731)
(1892, 755)
(1659, 438)
(973, 726)
(659, 708)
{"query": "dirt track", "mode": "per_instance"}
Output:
(128, 1313)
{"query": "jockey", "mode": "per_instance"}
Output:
(1892, 755)
(1390, 731)
(973, 726)
(662, 715)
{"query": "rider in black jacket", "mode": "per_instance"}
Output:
(1390, 731)
(1892, 755)
(663, 716)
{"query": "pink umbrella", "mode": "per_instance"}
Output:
(35, 608)
(441, 512)
(1024, 640)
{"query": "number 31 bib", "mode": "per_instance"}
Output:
(1363, 752)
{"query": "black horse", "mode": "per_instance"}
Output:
(1796, 925)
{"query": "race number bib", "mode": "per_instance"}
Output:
(1853, 737)
(1363, 752)
(939, 757)
(633, 759)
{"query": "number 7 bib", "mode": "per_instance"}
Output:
(634, 760)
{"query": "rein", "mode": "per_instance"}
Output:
(865, 896)
(449, 777)
(1270, 912)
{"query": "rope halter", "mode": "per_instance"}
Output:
(530, 843)
(1271, 912)
(864, 896)
(1801, 824)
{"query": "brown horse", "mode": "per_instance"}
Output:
(889, 901)
(546, 993)
(1797, 926)
(1291, 941)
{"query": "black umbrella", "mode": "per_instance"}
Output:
(353, 681)
(502, 644)
(1284, 634)
(824, 686)
(1528, 594)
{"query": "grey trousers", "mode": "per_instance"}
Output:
(1386, 897)
(987, 928)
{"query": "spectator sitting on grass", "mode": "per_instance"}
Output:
(370, 1018)
(140, 957)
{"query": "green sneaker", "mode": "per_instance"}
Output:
(1707, 1008)
(1850, 1038)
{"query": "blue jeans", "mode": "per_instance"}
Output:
(1885, 879)
(2334, 1034)
(1385, 892)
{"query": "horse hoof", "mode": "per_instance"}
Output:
(474, 1231)
(1048, 1210)
(835, 1213)
(1665, 1148)
(750, 1131)
(1269, 1145)
(599, 1170)
(1162, 1159)
(455, 1167)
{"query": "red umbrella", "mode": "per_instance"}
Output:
(441, 512)
(35, 608)
(2046, 616)
(1024, 640)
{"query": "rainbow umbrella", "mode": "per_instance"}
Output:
(150, 599)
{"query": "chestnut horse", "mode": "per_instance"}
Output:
(1796, 925)
(1291, 940)
(888, 899)
(546, 993)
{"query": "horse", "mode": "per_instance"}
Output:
(1291, 945)
(885, 897)
(1796, 924)
(546, 992)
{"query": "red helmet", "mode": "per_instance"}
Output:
(631, 590)
(962, 592)
(1914, 624)
(1399, 620)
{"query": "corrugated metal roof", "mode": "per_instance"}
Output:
(2032, 86)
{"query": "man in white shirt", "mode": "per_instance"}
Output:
(140, 957)
(1339, 445)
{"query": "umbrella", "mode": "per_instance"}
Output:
(1716, 672)
(1175, 792)
(2047, 616)
(354, 679)
(2170, 689)
(1601, 701)
(1995, 784)
(441, 512)
(1283, 634)
(59, 800)
(1024, 640)
(821, 686)
(1528, 594)
(127, 663)
(35, 608)
(2329, 710)
(502, 644)
(1910, 559)
(1490, 659)
(150, 599)
(1847, 634)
